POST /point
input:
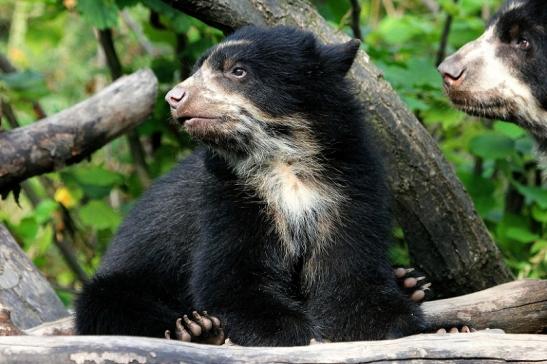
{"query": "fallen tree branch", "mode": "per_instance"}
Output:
(476, 348)
(515, 307)
(23, 290)
(518, 307)
(447, 239)
(72, 135)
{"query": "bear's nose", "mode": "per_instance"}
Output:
(176, 97)
(453, 72)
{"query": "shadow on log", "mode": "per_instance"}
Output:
(477, 347)
(75, 133)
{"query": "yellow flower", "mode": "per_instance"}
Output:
(70, 4)
(63, 196)
(17, 56)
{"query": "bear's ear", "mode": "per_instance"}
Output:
(339, 57)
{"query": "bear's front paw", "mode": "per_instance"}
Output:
(413, 283)
(204, 329)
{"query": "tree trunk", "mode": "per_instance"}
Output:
(461, 348)
(23, 290)
(75, 133)
(447, 239)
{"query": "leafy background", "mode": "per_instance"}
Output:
(66, 228)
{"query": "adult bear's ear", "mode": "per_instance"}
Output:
(339, 57)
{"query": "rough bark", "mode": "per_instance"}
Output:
(447, 239)
(518, 307)
(23, 290)
(61, 327)
(461, 348)
(72, 135)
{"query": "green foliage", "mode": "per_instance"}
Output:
(53, 45)
(101, 14)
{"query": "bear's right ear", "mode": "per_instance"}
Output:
(339, 57)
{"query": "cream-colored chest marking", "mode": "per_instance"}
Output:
(302, 209)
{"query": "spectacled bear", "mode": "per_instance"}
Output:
(278, 225)
(502, 74)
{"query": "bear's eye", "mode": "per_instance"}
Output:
(523, 44)
(238, 72)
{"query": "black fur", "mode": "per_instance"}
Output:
(202, 238)
(529, 22)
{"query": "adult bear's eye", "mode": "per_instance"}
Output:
(238, 72)
(523, 44)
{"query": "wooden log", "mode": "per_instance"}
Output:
(75, 133)
(447, 239)
(515, 307)
(23, 289)
(518, 307)
(61, 327)
(461, 348)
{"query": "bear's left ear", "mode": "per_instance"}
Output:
(339, 57)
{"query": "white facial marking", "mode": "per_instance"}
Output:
(496, 77)
(515, 5)
(282, 169)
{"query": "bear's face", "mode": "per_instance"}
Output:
(502, 73)
(256, 93)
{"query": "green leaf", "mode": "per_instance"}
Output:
(44, 210)
(397, 31)
(491, 145)
(521, 235)
(539, 214)
(97, 176)
(27, 229)
(447, 117)
(99, 215)
(482, 190)
(178, 21)
(538, 246)
(101, 14)
(533, 194)
(511, 130)
(29, 84)
(126, 3)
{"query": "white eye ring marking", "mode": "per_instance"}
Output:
(238, 72)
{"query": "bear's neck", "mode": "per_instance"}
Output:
(302, 202)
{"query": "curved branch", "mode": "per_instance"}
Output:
(72, 135)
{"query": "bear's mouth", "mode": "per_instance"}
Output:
(190, 121)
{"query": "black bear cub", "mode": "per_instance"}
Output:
(278, 226)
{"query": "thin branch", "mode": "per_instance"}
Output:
(356, 19)
(69, 255)
(139, 34)
(5, 65)
(441, 53)
(116, 71)
(390, 8)
(432, 5)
